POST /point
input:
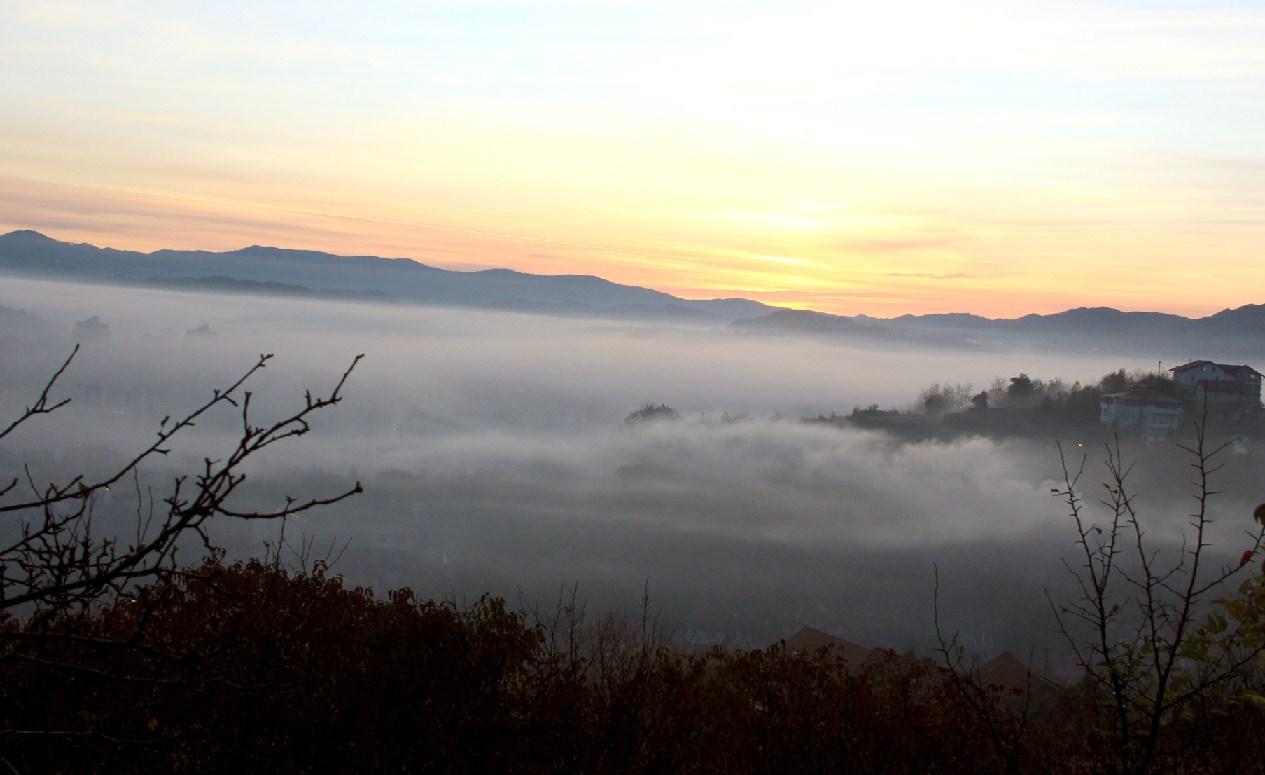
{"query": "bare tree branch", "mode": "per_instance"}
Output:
(41, 405)
(57, 562)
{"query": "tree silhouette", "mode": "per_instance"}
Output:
(53, 562)
(1021, 388)
(650, 412)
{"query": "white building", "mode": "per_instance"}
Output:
(1228, 390)
(1151, 413)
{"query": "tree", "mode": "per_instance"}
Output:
(52, 560)
(939, 399)
(1115, 382)
(1135, 629)
(1021, 389)
(651, 412)
(933, 400)
(980, 400)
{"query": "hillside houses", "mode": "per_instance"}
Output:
(1231, 392)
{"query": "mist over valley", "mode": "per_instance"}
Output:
(496, 458)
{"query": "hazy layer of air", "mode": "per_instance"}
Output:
(495, 459)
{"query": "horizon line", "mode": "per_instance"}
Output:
(772, 307)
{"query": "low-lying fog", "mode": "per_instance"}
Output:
(495, 459)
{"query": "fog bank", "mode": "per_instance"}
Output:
(495, 459)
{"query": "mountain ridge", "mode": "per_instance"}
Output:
(1082, 329)
(29, 252)
(263, 269)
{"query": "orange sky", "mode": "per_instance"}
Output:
(909, 157)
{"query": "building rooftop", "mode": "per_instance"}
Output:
(1238, 370)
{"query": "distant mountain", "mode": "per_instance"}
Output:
(258, 269)
(806, 321)
(304, 273)
(222, 284)
(1083, 328)
(1249, 316)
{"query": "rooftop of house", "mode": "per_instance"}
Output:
(810, 640)
(1005, 670)
(1239, 370)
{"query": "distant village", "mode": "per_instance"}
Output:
(1229, 394)
(1151, 406)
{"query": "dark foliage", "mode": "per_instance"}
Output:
(249, 667)
(651, 413)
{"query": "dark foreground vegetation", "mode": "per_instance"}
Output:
(249, 667)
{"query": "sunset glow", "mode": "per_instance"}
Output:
(846, 157)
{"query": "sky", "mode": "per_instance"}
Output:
(877, 158)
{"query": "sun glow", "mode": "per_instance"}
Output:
(910, 156)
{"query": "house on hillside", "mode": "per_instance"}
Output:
(1147, 411)
(1231, 392)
